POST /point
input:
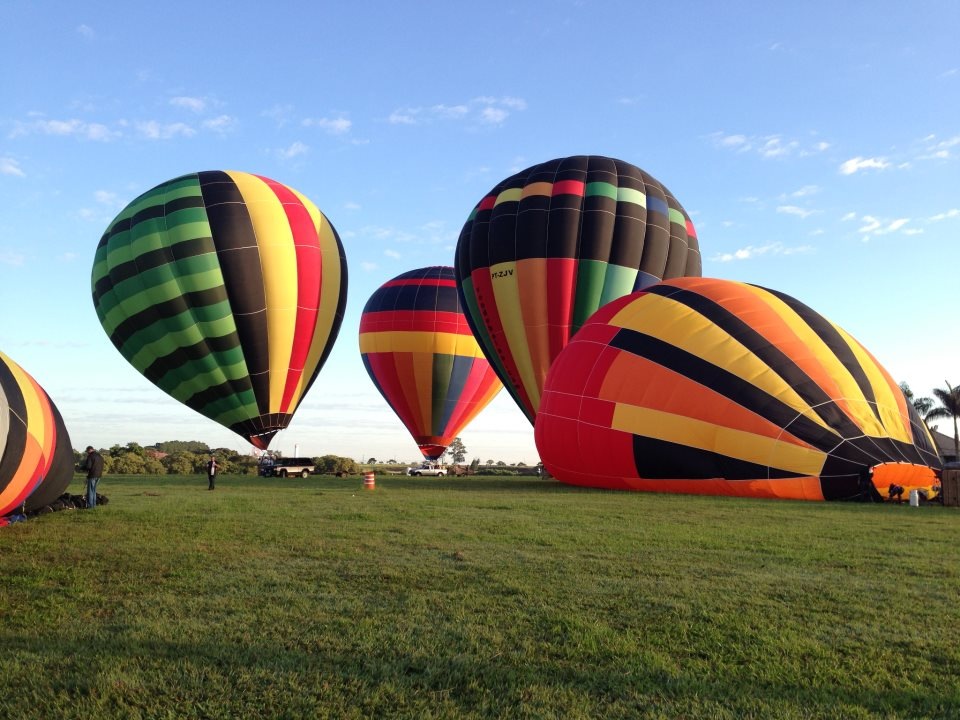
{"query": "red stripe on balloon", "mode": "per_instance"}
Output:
(569, 187)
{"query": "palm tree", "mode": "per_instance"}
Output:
(949, 408)
(923, 405)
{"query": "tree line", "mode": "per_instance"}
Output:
(189, 457)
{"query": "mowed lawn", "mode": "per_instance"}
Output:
(470, 598)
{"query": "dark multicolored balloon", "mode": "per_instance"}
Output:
(548, 246)
(227, 291)
(36, 457)
(707, 386)
(420, 353)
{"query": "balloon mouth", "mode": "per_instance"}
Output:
(433, 452)
(262, 440)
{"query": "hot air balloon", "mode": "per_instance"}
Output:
(707, 386)
(36, 457)
(420, 353)
(548, 246)
(227, 291)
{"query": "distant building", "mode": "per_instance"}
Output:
(945, 446)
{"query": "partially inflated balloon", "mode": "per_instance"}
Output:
(36, 458)
(548, 246)
(227, 291)
(716, 387)
(420, 353)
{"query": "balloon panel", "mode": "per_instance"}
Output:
(421, 354)
(710, 386)
(227, 291)
(550, 245)
(36, 464)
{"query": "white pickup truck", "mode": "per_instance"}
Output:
(429, 469)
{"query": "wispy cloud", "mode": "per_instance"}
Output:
(86, 31)
(65, 128)
(9, 166)
(482, 110)
(950, 73)
(105, 197)
(805, 191)
(153, 130)
(392, 254)
(334, 126)
(794, 210)
(751, 252)
(11, 258)
(951, 213)
(849, 216)
(350, 205)
(194, 104)
(939, 149)
(368, 266)
(856, 164)
(878, 226)
(767, 146)
(280, 114)
(295, 149)
(221, 124)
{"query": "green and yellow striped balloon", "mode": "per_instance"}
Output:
(227, 291)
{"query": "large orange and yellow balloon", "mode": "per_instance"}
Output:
(548, 246)
(36, 458)
(227, 291)
(420, 353)
(707, 386)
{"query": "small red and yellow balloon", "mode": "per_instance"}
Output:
(420, 353)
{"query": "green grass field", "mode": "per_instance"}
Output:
(450, 598)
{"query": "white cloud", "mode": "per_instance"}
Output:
(65, 128)
(913, 231)
(818, 231)
(12, 258)
(9, 166)
(805, 191)
(768, 146)
(951, 213)
(368, 266)
(849, 167)
(940, 150)
(350, 205)
(392, 254)
(333, 126)
(193, 104)
(105, 197)
(794, 210)
(877, 226)
(85, 30)
(849, 216)
(493, 116)
(295, 149)
(751, 251)
(152, 130)
(483, 110)
(220, 124)
(950, 73)
(280, 114)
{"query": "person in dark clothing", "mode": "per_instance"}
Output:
(868, 491)
(211, 472)
(94, 468)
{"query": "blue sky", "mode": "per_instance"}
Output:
(815, 145)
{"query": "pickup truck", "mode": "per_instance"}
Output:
(428, 469)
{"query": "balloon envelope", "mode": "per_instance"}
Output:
(420, 353)
(227, 291)
(36, 457)
(548, 246)
(715, 387)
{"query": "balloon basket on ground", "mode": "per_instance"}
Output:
(369, 482)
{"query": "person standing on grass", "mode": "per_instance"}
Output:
(94, 468)
(211, 472)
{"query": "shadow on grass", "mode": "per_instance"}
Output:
(358, 679)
